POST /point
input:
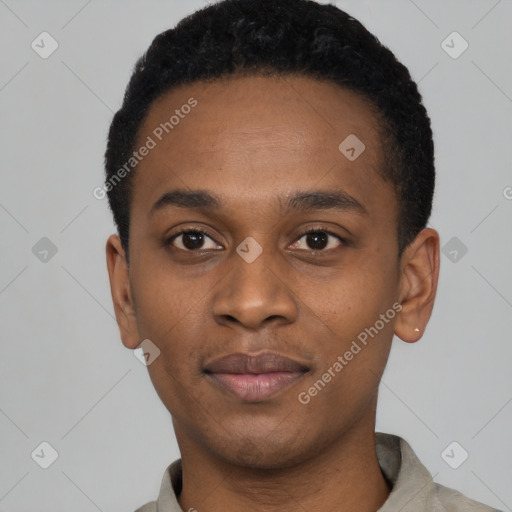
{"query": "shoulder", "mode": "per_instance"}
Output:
(148, 507)
(450, 500)
(413, 488)
(170, 488)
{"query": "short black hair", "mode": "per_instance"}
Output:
(283, 37)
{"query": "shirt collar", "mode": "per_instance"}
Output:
(412, 485)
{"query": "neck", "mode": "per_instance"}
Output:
(344, 477)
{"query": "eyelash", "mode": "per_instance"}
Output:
(344, 242)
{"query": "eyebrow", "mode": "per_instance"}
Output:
(299, 201)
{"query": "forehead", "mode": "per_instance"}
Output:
(253, 135)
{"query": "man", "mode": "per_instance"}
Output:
(271, 174)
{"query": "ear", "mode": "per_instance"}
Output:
(419, 267)
(121, 293)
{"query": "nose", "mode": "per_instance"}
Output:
(255, 294)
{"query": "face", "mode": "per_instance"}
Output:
(253, 234)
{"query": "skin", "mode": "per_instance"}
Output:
(249, 141)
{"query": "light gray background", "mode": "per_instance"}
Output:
(65, 377)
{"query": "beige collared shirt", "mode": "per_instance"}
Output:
(413, 488)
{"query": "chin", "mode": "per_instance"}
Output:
(256, 456)
(268, 450)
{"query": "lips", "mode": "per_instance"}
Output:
(255, 378)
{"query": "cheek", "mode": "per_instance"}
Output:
(351, 300)
(351, 308)
(163, 301)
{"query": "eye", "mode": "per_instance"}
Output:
(318, 240)
(315, 239)
(192, 240)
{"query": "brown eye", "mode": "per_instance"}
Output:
(318, 240)
(192, 240)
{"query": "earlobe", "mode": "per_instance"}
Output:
(418, 285)
(121, 292)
